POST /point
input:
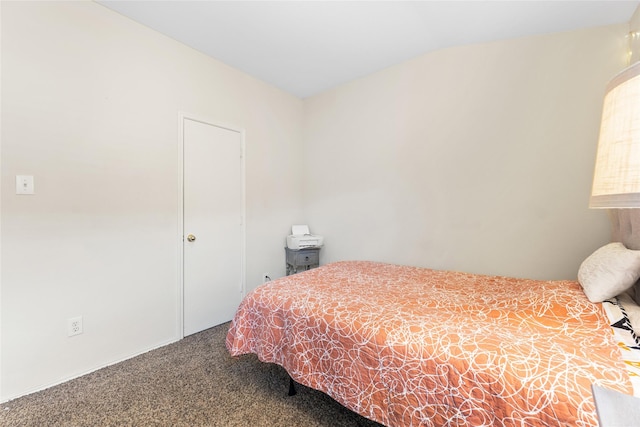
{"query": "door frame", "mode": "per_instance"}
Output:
(182, 116)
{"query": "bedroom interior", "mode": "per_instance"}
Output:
(489, 172)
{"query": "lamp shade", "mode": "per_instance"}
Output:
(616, 179)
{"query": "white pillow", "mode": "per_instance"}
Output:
(609, 271)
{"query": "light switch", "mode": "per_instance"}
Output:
(24, 184)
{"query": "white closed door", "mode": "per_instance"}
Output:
(212, 218)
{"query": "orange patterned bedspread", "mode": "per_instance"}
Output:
(408, 346)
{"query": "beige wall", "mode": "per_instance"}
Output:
(90, 104)
(634, 37)
(477, 158)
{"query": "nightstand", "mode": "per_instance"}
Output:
(301, 259)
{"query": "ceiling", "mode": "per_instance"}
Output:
(306, 47)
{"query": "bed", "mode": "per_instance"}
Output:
(410, 346)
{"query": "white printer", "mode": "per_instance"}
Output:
(301, 238)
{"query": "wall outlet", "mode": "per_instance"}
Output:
(266, 278)
(74, 326)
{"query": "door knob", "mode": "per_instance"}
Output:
(191, 237)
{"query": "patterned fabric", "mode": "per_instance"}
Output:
(628, 342)
(408, 346)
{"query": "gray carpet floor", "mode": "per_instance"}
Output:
(194, 382)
